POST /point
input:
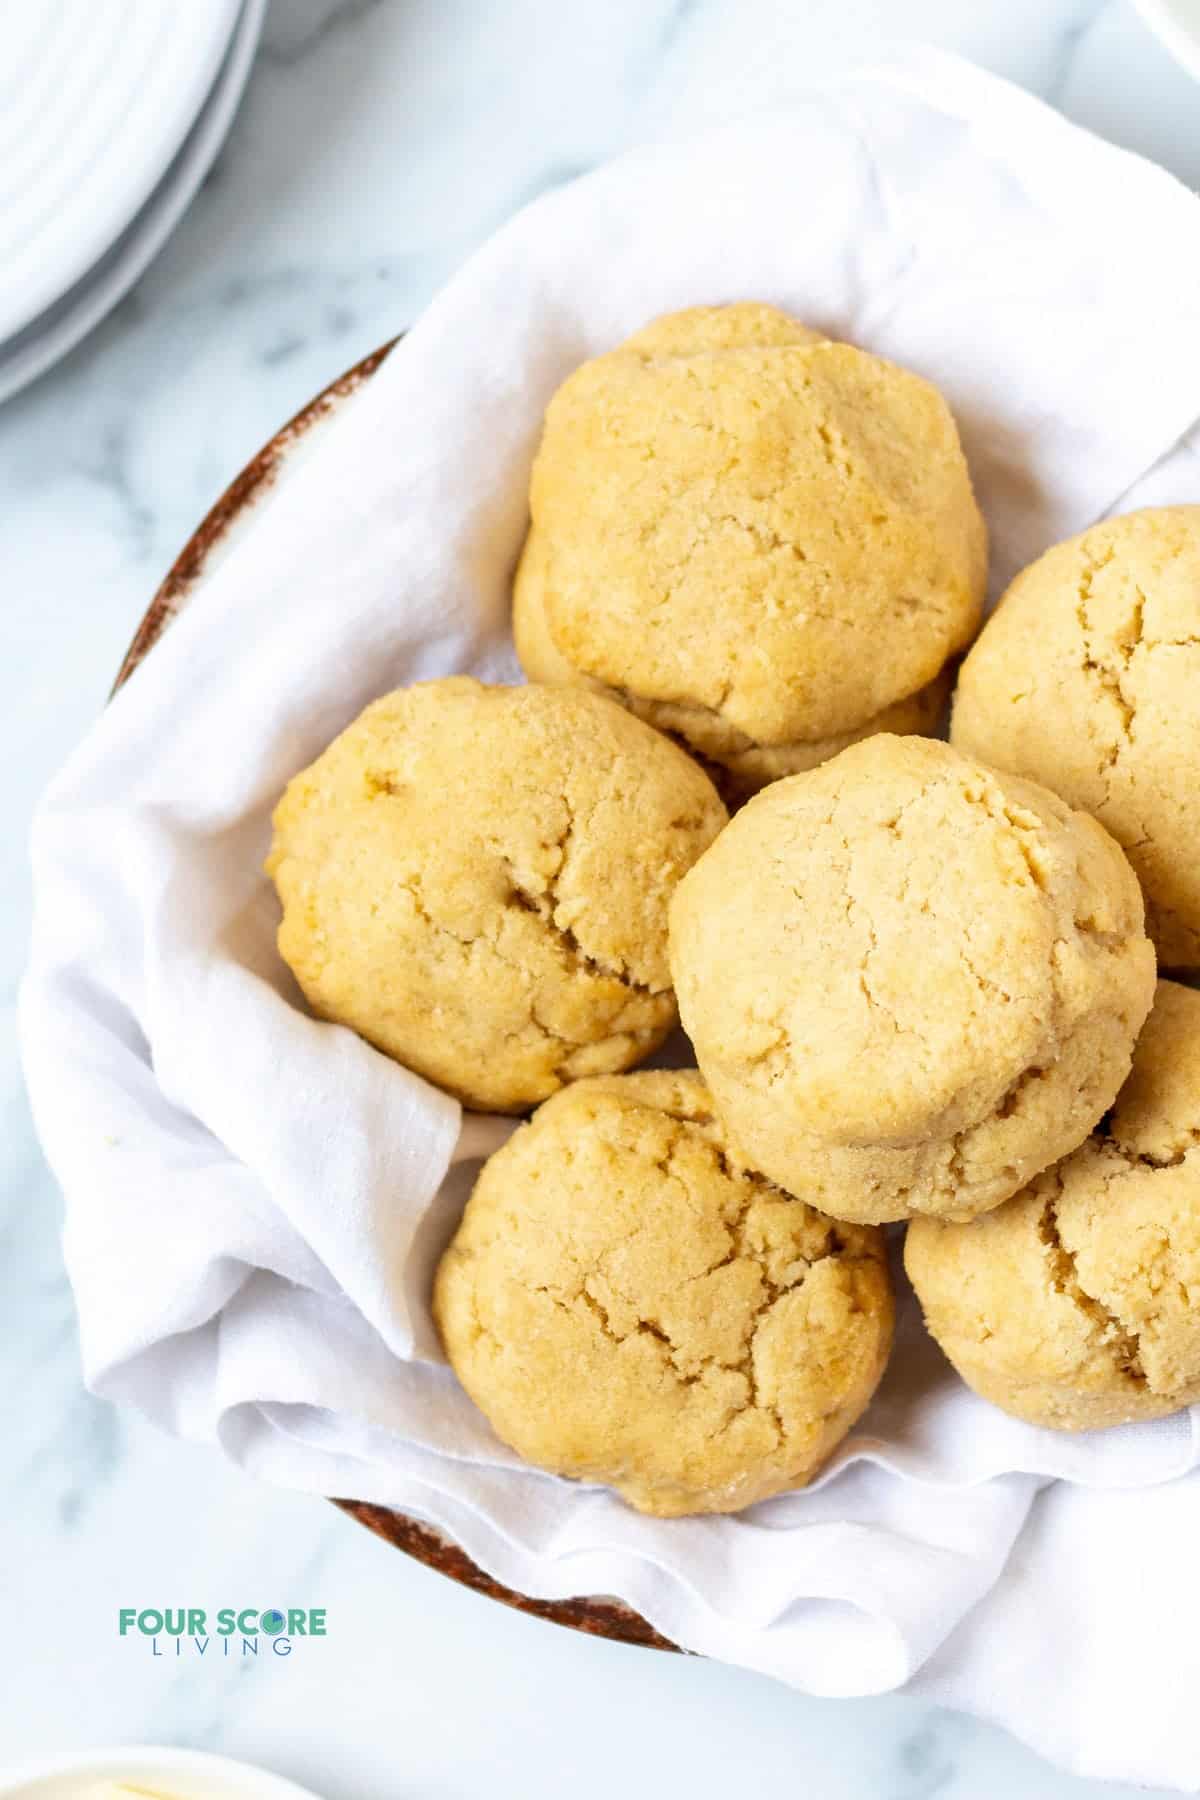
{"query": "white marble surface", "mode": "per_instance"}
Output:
(379, 141)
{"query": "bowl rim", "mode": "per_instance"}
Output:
(596, 1615)
(153, 1761)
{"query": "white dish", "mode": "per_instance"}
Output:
(1177, 24)
(95, 100)
(49, 337)
(185, 1774)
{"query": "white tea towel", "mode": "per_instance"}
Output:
(255, 1200)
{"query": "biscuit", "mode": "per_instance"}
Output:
(911, 983)
(1076, 1304)
(761, 541)
(630, 1304)
(476, 880)
(1087, 678)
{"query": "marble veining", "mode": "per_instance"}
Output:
(379, 142)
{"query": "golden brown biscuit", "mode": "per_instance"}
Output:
(763, 542)
(737, 765)
(1078, 1303)
(746, 325)
(476, 879)
(911, 983)
(1087, 678)
(629, 1303)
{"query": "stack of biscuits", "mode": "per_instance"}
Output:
(919, 977)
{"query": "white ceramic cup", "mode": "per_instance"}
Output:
(1176, 23)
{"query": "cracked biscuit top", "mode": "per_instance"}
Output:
(1088, 678)
(476, 880)
(1074, 1306)
(911, 983)
(763, 542)
(629, 1303)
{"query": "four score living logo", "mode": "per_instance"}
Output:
(232, 1631)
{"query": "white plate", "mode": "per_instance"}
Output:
(74, 314)
(96, 96)
(1177, 24)
(188, 1774)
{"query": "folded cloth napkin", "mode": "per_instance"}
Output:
(255, 1200)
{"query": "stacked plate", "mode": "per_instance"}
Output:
(111, 112)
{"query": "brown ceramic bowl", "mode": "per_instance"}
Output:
(199, 556)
